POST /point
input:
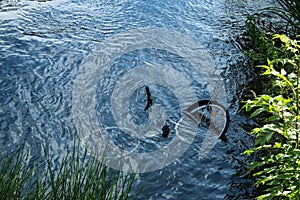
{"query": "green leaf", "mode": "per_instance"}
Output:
(257, 112)
(264, 196)
(272, 128)
(277, 145)
(275, 73)
(269, 136)
(274, 118)
(248, 152)
(278, 98)
(265, 97)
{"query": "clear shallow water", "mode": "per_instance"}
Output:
(44, 44)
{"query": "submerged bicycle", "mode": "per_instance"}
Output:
(210, 114)
(207, 113)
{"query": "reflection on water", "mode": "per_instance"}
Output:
(43, 45)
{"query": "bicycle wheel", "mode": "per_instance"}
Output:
(211, 115)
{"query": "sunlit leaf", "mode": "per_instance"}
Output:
(264, 196)
(277, 145)
(248, 152)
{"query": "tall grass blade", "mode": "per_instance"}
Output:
(78, 176)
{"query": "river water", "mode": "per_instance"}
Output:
(55, 54)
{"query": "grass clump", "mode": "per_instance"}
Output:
(14, 176)
(78, 176)
(289, 10)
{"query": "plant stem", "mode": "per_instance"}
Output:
(298, 106)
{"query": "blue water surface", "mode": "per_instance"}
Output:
(44, 43)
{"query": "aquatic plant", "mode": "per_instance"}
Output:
(79, 176)
(14, 176)
(277, 167)
(288, 10)
(260, 46)
(261, 26)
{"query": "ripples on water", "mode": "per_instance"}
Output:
(43, 44)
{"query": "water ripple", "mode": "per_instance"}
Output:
(42, 45)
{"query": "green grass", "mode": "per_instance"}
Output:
(288, 10)
(78, 176)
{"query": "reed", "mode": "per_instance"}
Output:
(289, 10)
(78, 176)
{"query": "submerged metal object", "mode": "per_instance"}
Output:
(166, 131)
(149, 99)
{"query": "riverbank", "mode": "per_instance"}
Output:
(274, 104)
